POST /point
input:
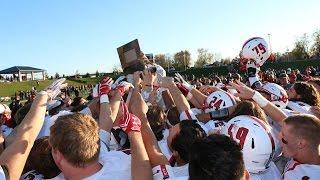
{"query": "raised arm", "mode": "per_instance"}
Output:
(270, 109)
(197, 98)
(179, 99)
(15, 155)
(131, 124)
(139, 108)
(105, 119)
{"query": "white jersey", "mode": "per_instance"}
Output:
(271, 173)
(296, 170)
(115, 165)
(181, 171)
(300, 107)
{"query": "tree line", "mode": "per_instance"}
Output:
(305, 47)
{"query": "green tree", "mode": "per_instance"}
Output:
(161, 60)
(182, 60)
(300, 50)
(87, 75)
(204, 57)
(97, 73)
(57, 76)
(315, 48)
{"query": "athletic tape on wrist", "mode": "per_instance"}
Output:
(259, 99)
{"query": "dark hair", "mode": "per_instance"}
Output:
(76, 101)
(41, 159)
(249, 108)
(190, 130)
(173, 116)
(56, 110)
(315, 82)
(21, 113)
(308, 93)
(157, 120)
(216, 157)
(79, 108)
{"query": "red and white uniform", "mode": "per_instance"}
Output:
(296, 170)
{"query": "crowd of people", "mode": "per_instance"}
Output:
(146, 125)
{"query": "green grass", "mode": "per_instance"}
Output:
(9, 89)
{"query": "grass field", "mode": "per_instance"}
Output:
(9, 89)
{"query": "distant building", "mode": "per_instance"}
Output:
(21, 72)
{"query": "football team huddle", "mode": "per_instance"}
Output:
(147, 125)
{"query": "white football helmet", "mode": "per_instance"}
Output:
(255, 139)
(218, 100)
(276, 94)
(255, 49)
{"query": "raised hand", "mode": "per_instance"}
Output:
(123, 87)
(244, 92)
(136, 78)
(148, 77)
(54, 89)
(118, 81)
(166, 82)
(105, 86)
(184, 82)
(102, 89)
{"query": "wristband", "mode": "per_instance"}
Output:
(218, 114)
(104, 99)
(259, 99)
